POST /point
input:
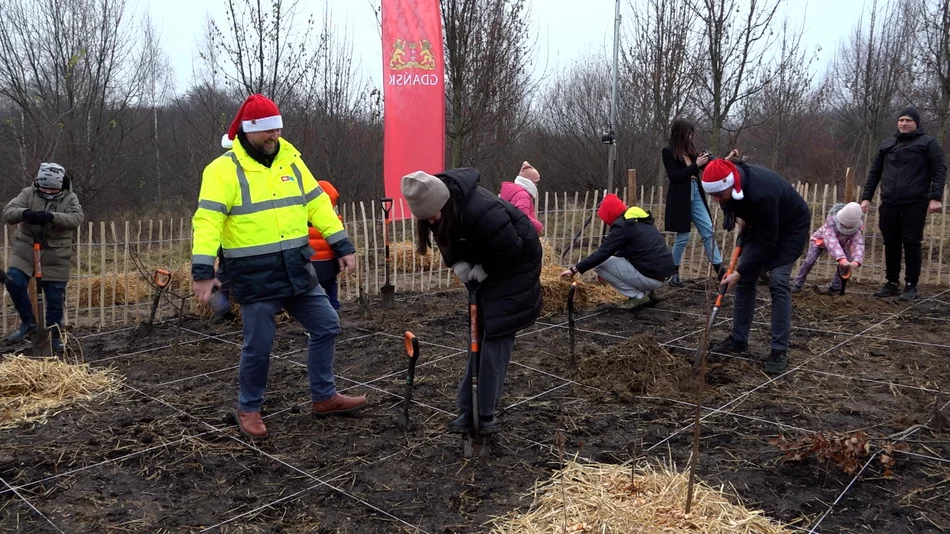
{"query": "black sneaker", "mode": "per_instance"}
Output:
(489, 424)
(777, 362)
(890, 289)
(910, 292)
(57, 345)
(675, 281)
(730, 346)
(25, 331)
(462, 424)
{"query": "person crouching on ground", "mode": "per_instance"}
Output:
(523, 193)
(491, 245)
(633, 258)
(47, 212)
(842, 237)
(324, 260)
(776, 222)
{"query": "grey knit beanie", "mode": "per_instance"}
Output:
(425, 194)
(50, 176)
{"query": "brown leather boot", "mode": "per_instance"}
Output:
(338, 404)
(251, 424)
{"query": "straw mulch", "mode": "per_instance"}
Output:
(403, 254)
(31, 389)
(638, 366)
(138, 289)
(599, 498)
(554, 289)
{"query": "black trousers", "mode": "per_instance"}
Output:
(902, 226)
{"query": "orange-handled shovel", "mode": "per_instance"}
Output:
(733, 262)
(40, 339)
(412, 349)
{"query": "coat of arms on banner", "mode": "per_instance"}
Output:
(412, 55)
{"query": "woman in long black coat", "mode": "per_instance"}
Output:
(685, 202)
(489, 243)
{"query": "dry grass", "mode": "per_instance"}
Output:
(597, 498)
(138, 289)
(554, 289)
(31, 389)
(403, 254)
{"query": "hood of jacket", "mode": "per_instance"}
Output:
(461, 183)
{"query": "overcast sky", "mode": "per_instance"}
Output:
(566, 29)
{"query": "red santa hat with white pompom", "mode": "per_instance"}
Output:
(257, 114)
(721, 174)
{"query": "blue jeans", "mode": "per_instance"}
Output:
(53, 292)
(330, 286)
(781, 306)
(703, 223)
(313, 311)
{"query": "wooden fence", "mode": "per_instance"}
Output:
(113, 262)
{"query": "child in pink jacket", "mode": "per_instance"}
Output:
(841, 236)
(523, 193)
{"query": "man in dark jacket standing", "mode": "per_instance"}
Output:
(911, 169)
(633, 257)
(776, 227)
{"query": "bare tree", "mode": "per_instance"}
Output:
(785, 111)
(656, 66)
(264, 47)
(737, 37)
(488, 85)
(867, 76)
(576, 108)
(933, 44)
(73, 69)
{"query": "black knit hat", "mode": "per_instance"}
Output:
(911, 111)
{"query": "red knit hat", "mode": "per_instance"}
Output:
(720, 175)
(611, 208)
(257, 114)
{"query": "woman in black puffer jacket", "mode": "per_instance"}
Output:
(490, 244)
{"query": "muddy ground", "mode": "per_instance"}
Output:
(161, 457)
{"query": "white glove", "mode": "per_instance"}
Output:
(463, 270)
(478, 274)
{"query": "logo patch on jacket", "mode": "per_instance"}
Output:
(286, 178)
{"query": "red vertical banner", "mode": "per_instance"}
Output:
(413, 91)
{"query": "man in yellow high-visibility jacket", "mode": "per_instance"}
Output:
(255, 202)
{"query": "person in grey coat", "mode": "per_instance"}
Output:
(47, 213)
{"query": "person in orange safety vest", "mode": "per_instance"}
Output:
(324, 260)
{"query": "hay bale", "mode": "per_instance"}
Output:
(138, 289)
(638, 366)
(30, 389)
(595, 498)
(554, 289)
(403, 253)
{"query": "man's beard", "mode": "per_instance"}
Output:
(269, 148)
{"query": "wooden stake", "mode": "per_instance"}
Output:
(632, 187)
(849, 185)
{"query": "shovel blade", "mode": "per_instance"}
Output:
(403, 421)
(40, 344)
(388, 293)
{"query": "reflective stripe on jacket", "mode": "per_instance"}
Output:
(258, 217)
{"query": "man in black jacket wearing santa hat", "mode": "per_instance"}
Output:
(776, 226)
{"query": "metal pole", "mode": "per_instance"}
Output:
(612, 151)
